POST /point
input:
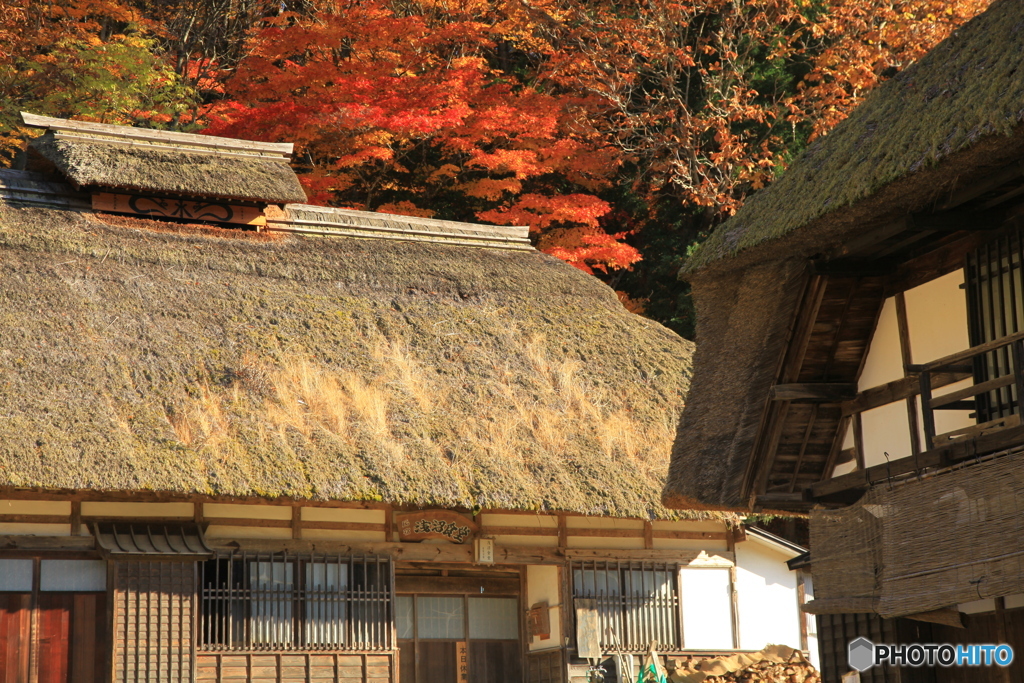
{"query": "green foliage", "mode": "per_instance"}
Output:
(120, 81)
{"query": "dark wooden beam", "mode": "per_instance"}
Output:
(963, 195)
(934, 263)
(840, 268)
(459, 584)
(898, 390)
(959, 220)
(814, 392)
(857, 482)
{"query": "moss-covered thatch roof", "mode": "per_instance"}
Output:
(147, 356)
(949, 121)
(98, 156)
(970, 87)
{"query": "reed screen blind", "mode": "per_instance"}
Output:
(296, 603)
(636, 602)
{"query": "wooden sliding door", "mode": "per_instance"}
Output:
(450, 632)
(53, 621)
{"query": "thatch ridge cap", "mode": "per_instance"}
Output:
(108, 130)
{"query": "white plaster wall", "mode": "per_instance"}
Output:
(101, 509)
(602, 523)
(937, 318)
(542, 585)
(707, 611)
(884, 362)
(234, 511)
(886, 430)
(937, 325)
(35, 507)
(343, 515)
(767, 597)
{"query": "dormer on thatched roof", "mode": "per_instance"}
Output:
(104, 156)
(884, 182)
(318, 360)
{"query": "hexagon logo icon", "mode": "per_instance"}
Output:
(861, 654)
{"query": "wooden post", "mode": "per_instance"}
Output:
(296, 521)
(1018, 375)
(76, 516)
(1001, 632)
(649, 530)
(858, 442)
(908, 360)
(926, 409)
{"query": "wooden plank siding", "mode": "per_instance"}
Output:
(154, 607)
(269, 667)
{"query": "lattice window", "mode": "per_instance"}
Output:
(995, 305)
(296, 603)
(636, 602)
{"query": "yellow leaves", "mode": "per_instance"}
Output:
(405, 208)
(491, 189)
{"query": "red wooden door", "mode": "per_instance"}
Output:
(54, 636)
(71, 642)
(15, 627)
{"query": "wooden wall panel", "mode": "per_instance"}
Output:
(270, 667)
(54, 636)
(545, 667)
(153, 621)
(15, 630)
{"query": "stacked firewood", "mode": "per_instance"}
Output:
(774, 664)
(770, 672)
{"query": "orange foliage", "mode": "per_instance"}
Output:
(596, 123)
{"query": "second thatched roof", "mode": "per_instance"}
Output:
(151, 356)
(102, 156)
(949, 121)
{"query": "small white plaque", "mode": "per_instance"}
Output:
(483, 550)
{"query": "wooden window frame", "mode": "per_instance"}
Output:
(211, 633)
(671, 617)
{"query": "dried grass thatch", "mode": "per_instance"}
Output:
(150, 356)
(945, 122)
(96, 163)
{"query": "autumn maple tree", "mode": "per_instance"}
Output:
(621, 133)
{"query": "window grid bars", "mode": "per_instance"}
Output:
(637, 602)
(238, 614)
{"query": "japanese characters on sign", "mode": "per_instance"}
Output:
(462, 659)
(417, 526)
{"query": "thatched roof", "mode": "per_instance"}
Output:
(944, 123)
(150, 356)
(968, 88)
(96, 155)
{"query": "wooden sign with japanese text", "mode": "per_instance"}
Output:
(424, 524)
(161, 207)
(462, 661)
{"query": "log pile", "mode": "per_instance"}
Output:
(774, 664)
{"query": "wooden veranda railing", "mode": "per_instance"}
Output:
(998, 389)
(1009, 355)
